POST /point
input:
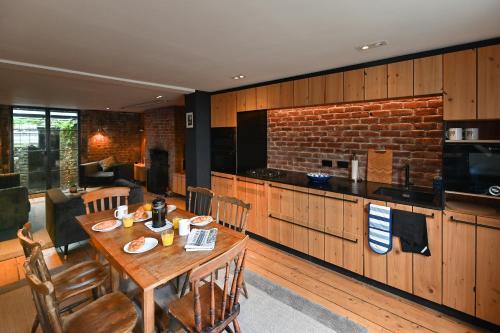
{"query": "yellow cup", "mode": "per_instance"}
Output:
(147, 207)
(175, 222)
(128, 222)
(167, 237)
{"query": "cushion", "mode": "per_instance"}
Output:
(107, 163)
(102, 174)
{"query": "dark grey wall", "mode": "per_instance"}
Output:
(197, 152)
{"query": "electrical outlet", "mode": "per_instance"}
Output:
(326, 163)
(343, 164)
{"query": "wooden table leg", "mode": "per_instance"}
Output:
(148, 310)
(115, 279)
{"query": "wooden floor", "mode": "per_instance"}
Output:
(373, 308)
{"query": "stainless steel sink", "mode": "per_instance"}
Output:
(405, 194)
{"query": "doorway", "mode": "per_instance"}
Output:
(45, 147)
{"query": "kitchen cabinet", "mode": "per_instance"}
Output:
(376, 82)
(316, 220)
(246, 100)
(488, 269)
(375, 265)
(286, 94)
(459, 261)
(488, 84)
(317, 90)
(354, 85)
(399, 263)
(286, 234)
(459, 85)
(334, 228)
(222, 184)
(353, 234)
(427, 271)
(334, 88)
(179, 183)
(301, 206)
(301, 93)
(273, 96)
(223, 110)
(400, 79)
(428, 75)
(261, 98)
(281, 212)
(254, 192)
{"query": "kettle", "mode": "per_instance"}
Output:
(158, 213)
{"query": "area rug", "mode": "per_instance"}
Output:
(270, 308)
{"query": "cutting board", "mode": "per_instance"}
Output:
(379, 166)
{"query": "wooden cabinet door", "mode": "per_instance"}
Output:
(229, 109)
(334, 225)
(459, 85)
(274, 202)
(400, 79)
(428, 75)
(334, 88)
(273, 96)
(317, 90)
(261, 98)
(286, 204)
(286, 94)
(316, 210)
(241, 98)
(353, 230)
(427, 271)
(300, 239)
(216, 110)
(260, 208)
(488, 272)
(241, 193)
(301, 92)
(286, 234)
(488, 82)
(250, 99)
(375, 264)
(459, 261)
(316, 244)
(300, 206)
(273, 229)
(354, 85)
(376, 82)
(399, 263)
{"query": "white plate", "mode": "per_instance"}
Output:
(171, 208)
(150, 214)
(201, 224)
(116, 225)
(149, 244)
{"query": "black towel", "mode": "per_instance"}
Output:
(411, 228)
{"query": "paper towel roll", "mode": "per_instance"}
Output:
(354, 170)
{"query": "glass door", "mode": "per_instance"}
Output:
(45, 148)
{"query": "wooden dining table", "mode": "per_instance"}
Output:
(155, 267)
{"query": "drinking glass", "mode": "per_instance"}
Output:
(167, 237)
(128, 221)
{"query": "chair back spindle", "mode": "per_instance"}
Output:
(200, 200)
(232, 213)
(106, 198)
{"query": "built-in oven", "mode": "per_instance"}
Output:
(471, 167)
(223, 149)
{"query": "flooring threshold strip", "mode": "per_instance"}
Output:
(316, 273)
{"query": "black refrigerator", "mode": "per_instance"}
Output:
(251, 140)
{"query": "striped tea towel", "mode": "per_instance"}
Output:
(379, 228)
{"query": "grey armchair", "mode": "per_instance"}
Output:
(91, 174)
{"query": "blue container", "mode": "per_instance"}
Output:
(318, 178)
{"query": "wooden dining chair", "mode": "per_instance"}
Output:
(200, 200)
(76, 280)
(231, 213)
(207, 307)
(110, 313)
(106, 198)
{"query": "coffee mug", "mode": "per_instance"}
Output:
(121, 211)
(472, 134)
(455, 134)
(184, 227)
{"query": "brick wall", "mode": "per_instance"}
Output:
(298, 139)
(121, 135)
(5, 129)
(164, 129)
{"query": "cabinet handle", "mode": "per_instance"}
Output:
(431, 216)
(249, 181)
(284, 220)
(342, 199)
(341, 237)
(453, 219)
(230, 178)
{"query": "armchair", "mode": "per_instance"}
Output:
(91, 174)
(15, 210)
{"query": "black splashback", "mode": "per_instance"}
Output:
(158, 171)
(251, 140)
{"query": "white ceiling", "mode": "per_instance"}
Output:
(202, 44)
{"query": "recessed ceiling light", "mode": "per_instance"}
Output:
(372, 45)
(159, 96)
(239, 76)
(107, 108)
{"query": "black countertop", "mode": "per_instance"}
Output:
(362, 189)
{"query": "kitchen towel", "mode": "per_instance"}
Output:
(411, 228)
(379, 228)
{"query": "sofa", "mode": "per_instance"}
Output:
(15, 205)
(91, 174)
(60, 211)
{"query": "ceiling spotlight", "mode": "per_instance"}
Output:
(107, 108)
(237, 77)
(159, 96)
(372, 45)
